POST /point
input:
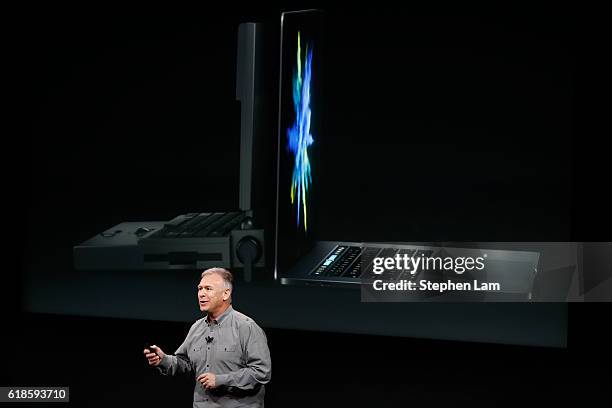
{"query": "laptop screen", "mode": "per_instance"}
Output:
(299, 135)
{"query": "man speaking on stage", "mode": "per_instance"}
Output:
(225, 351)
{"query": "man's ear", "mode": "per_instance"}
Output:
(227, 293)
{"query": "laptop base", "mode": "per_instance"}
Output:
(135, 246)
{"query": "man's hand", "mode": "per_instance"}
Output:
(208, 380)
(154, 355)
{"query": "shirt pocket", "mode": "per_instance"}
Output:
(229, 353)
(227, 348)
(196, 353)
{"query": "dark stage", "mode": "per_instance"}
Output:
(441, 125)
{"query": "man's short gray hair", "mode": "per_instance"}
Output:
(227, 276)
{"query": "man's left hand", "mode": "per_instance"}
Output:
(208, 380)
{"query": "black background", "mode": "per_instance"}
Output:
(130, 115)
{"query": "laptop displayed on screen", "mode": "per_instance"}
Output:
(231, 238)
(299, 257)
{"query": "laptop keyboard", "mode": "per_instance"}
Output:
(348, 256)
(199, 225)
(350, 262)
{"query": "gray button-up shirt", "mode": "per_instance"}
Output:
(238, 355)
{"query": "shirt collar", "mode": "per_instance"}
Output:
(221, 318)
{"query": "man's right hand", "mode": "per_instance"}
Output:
(154, 355)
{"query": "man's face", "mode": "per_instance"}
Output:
(212, 293)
